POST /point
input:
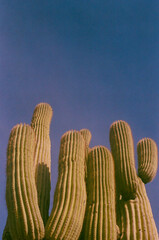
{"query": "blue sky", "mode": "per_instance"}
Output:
(93, 61)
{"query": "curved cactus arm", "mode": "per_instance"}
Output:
(40, 123)
(136, 218)
(122, 148)
(100, 217)
(147, 159)
(66, 219)
(24, 217)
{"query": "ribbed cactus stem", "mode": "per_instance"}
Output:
(122, 148)
(40, 123)
(24, 218)
(147, 159)
(66, 219)
(100, 217)
(135, 217)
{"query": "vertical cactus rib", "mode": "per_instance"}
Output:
(147, 159)
(122, 148)
(66, 219)
(40, 123)
(24, 217)
(136, 217)
(100, 216)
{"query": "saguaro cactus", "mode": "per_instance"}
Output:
(135, 217)
(96, 190)
(24, 218)
(122, 148)
(66, 219)
(40, 123)
(100, 217)
(134, 214)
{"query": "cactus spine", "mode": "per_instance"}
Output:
(122, 148)
(24, 217)
(66, 219)
(100, 217)
(147, 159)
(40, 123)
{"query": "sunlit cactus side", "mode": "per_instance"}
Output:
(147, 159)
(100, 216)
(122, 148)
(66, 219)
(24, 218)
(40, 123)
(136, 219)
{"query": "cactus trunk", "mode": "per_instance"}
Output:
(66, 219)
(24, 217)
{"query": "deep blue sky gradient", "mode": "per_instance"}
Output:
(93, 61)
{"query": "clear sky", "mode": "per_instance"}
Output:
(93, 61)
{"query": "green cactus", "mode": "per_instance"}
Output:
(24, 218)
(98, 193)
(122, 148)
(135, 217)
(40, 123)
(100, 217)
(147, 159)
(66, 219)
(134, 214)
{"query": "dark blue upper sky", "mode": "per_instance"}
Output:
(93, 61)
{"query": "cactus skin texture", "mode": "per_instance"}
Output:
(100, 217)
(122, 147)
(135, 217)
(66, 219)
(147, 159)
(40, 123)
(24, 219)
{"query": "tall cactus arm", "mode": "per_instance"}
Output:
(24, 217)
(122, 148)
(40, 123)
(66, 219)
(100, 217)
(147, 159)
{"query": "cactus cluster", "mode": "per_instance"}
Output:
(99, 195)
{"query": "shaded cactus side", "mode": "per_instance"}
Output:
(100, 217)
(40, 123)
(147, 159)
(24, 217)
(66, 219)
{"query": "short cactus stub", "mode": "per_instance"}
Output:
(66, 219)
(122, 148)
(147, 159)
(24, 218)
